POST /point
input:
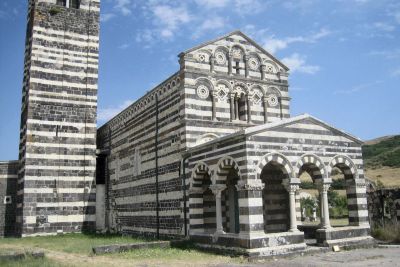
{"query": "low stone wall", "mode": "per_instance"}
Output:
(384, 207)
(8, 194)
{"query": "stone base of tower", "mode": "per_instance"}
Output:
(348, 236)
(254, 245)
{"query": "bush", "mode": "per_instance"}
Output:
(389, 232)
(307, 185)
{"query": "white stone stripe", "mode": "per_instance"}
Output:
(150, 213)
(63, 52)
(62, 123)
(251, 219)
(148, 198)
(250, 202)
(62, 218)
(60, 157)
(63, 94)
(59, 190)
(38, 54)
(65, 204)
(8, 176)
(64, 84)
(145, 229)
(94, 9)
(81, 74)
(355, 201)
(358, 213)
(59, 178)
(61, 62)
(82, 44)
(66, 101)
(39, 144)
(61, 134)
(63, 168)
(36, 29)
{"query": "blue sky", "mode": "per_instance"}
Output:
(344, 55)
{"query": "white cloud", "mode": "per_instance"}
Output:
(245, 7)
(212, 3)
(297, 63)
(358, 88)
(123, 6)
(383, 26)
(214, 23)
(123, 46)
(272, 44)
(106, 17)
(396, 72)
(169, 19)
(105, 114)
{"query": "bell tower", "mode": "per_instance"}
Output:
(56, 180)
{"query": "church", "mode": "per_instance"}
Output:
(210, 154)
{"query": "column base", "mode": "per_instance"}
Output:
(346, 234)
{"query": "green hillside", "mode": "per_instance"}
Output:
(384, 153)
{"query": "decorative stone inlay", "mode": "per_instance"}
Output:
(203, 92)
(272, 100)
(201, 57)
(250, 185)
(270, 69)
(238, 90)
(253, 63)
(257, 97)
(222, 92)
(237, 53)
(220, 57)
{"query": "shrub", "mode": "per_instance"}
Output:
(389, 232)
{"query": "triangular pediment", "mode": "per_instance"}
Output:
(240, 39)
(302, 121)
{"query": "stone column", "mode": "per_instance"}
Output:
(246, 66)
(292, 188)
(263, 70)
(248, 108)
(323, 190)
(232, 102)
(214, 104)
(265, 102)
(229, 64)
(217, 190)
(236, 108)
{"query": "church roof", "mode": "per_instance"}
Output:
(237, 32)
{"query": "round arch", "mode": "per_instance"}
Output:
(317, 166)
(223, 167)
(345, 164)
(278, 158)
(197, 176)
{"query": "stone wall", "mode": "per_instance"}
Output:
(8, 194)
(143, 145)
(58, 121)
(384, 207)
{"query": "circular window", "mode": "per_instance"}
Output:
(220, 57)
(202, 91)
(253, 63)
(273, 100)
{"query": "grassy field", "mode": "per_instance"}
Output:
(390, 177)
(76, 250)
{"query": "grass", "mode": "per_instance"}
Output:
(70, 243)
(31, 262)
(389, 233)
(390, 177)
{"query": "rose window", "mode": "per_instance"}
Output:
(202, 91)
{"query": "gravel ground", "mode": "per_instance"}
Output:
(359, 257)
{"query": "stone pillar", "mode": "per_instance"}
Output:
(248, 108)
(292, 188)
(323, 190)
(214, 104)
(246, 66)
(236, 108)
(265, 102)
(217, 190)
(232, 102)
(263, 70)
(229, 64)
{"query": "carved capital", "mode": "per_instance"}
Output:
(217, 189)
(250, 185)
(290, 186)
(323, 187)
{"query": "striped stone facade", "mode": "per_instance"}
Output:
(8, 193)
(56, 182)
(213, 153)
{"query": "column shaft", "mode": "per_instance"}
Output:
(214, 109)
(265, 109)
(232, 100)
(248, 109)
(218, 212)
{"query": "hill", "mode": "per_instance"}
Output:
(382, 160)
(382, 152)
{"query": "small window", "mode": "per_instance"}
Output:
(7, 200)
(61, 2)
(74, 4)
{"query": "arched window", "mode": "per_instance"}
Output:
(69, 3)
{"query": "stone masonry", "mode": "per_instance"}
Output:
(8, 193)
(56, 184)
